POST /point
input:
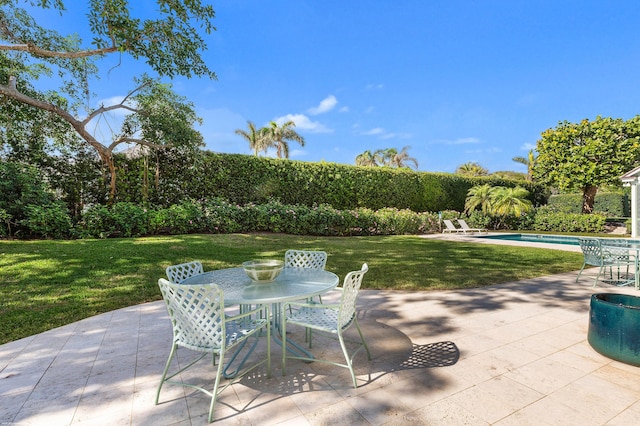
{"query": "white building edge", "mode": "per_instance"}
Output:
(632, 179)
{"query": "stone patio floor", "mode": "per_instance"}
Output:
(509, 354)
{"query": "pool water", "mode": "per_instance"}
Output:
(537, 238)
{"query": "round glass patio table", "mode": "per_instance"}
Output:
(291, 284)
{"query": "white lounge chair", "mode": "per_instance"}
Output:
(451, 227)
(466, 228)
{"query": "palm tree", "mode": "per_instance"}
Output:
(471, 169)
(255, 137)
(384, 156)
(508, 174)
(367, 159)
(480, 196)
(400, 159)
(530, 162)
(277, 137)
(511, 201)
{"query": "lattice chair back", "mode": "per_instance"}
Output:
(350, 288)
(197, 315)
(616, 254)
(178, 273)
(305, 259)
(592, 251)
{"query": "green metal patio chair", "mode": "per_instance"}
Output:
(595, 255)
(592, 252)
(616, 254)
(333, 319)
(178, 273)
(200, 324)
(305, 259)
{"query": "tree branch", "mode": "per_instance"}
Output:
(136, 141)
(122, 105)
(37, 51)
(12, 92)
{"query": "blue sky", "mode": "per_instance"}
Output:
(456, 80)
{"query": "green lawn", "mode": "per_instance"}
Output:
(46, 284)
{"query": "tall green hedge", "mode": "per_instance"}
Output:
(245, 179)
(613, 204)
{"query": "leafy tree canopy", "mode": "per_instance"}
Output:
(170, 43)
(584, 156)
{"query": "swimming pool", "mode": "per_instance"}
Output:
(541, 238)
(537, 238)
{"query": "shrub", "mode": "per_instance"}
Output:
(220, 216)
(48, 221)
(184, 218)
(122, 219)
(612, 204)
(21, 186)
(548, 220)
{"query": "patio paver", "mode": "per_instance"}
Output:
(508, 354)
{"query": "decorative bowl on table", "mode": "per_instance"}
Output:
(263, 271)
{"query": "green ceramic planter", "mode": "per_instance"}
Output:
(614, 326)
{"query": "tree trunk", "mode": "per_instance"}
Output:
(145, 178)
(588, 198)
(107, 159)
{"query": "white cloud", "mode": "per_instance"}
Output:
(459, 141)
(383, 134)
(304, 123)
(528, 146)
(326, 105)
(344, 109)
(396, 136)
(297, 153)
(374, 131)
(491, 150)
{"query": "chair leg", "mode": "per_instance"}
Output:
(348, 360)
(268, 327)
(581, 269)
(214, 394)
(598, 276)
(166, 369)
(283, 331)
(364, 343)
